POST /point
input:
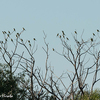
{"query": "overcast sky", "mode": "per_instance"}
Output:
(50, 16)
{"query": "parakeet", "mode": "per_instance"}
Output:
(14, 29)
(67, 38)
(34, 39)
(8, 35)
(63, 33)
(18, 34)
(75, 32)
(12, 40)
(58, 34)
(29, 44)
(92, 39)
(53, 49)
(97, 30)
(3, 32)
(23, 28)
(28, 41)
(21, 40)
(9, 32)
(5, 39)
(93, 34)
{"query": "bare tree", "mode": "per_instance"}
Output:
(40, 86)
(78, 59)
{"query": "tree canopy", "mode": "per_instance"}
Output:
(32, 84)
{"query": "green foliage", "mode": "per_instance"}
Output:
(52, 98)
(95, 95)
(9, 85)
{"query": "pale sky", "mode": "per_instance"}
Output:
(50, 16)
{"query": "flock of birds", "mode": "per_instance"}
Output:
(58, 35)
(63, 34)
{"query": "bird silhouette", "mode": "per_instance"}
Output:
(28, 41)
(75, 32)
(23, 29)
(67, 38)
(9, 32)
(92, 39)
(53, 49)
(63, 33)
(93, 34)
(21, 40)
(58, 34)
(30, 45)
(12, 40)
(97, 30)
(34, 39)
(14, 29)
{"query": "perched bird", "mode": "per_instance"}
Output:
(30, 45)
(53, 49)
(78, 42)
(3, 32)
(18, 34)
(75, 32)
(63, 36)
(1, 41)
(14, 29)
(28, 41)
(23, 29)
(9, 32)
(21, 40)
(93, 34)
(63, 33)
(92, 39)
(67, 38)
(8, 35)
(5, 39)
(34, 39)
(97, 30)
(12, 40)
(58, 34)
